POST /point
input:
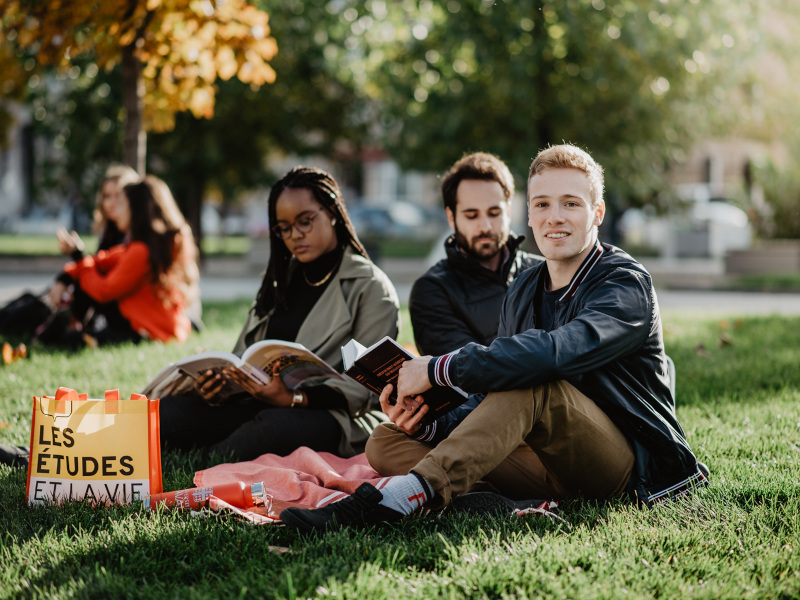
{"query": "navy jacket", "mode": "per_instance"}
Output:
(607, 341)
(458, 300)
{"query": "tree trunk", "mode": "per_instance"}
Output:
(192, 209)
(135, 149)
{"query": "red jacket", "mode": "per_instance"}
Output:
(122, 275)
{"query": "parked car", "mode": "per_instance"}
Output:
(706, 229)
(396, 220)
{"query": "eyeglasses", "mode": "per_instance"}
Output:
(303, 225)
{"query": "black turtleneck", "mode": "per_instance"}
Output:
(301, 297)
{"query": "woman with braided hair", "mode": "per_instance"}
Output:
(320, 290)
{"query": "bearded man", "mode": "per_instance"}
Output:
(458, 300)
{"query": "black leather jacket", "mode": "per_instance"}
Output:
(458, 300)
(607, 341)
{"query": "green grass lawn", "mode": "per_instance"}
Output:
(738, 399)
(213, 245)
(769, 282)
(32, 245)
(46, 245)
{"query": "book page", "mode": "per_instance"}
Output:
(350, 352)
(169, 382)
(179, 376)
(297, 363)
(176, 385)
(214, 361)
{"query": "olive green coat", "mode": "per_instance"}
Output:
(360, 303)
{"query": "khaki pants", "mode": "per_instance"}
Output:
(548, 442)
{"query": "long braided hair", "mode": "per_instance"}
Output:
(326, 191)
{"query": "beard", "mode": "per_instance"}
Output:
(483, 247)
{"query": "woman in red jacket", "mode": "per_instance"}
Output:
(33, 313)
(138, 289)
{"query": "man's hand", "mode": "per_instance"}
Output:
(413, 379)
(406, 416)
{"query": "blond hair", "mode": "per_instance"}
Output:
(567, 156)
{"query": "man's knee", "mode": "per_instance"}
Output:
(391, 452)
(377, 448)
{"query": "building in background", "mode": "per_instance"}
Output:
(15, 168)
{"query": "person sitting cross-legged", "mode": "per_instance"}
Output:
(458, 299)
(577, 390)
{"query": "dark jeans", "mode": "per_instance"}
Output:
(245, 428)
(23, 315)
(102, 321)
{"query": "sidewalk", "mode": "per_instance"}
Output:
(229, 279)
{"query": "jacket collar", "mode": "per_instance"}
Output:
(583, 271)
(314, 331)
(352, 266)
(460, 259)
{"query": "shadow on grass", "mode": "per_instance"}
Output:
(163, 553)
(120, 550)
(128, 552)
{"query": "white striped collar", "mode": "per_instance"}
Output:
(583, 271)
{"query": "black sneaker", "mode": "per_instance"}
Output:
(483, 503)
(15, 456)
(361, 509)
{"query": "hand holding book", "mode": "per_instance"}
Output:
(381, 364)
(274, 392)
(407, 415)
(267, 369)
(210, 385)
(412, 380)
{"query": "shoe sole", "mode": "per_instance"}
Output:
(482, 503)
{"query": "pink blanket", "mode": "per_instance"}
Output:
(304, 478)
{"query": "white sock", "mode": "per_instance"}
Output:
(406, 493)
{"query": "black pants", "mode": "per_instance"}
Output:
(101, 321)
(23, 315)
(245, 428)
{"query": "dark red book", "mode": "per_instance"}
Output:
(377, 366)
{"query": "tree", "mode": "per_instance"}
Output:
(12, 87)
(312, 108)
(635, 83)
(77, 130)
(171, 52)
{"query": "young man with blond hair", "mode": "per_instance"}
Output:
(578, 395)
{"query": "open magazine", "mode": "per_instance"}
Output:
(298, 365)
(377, 366)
